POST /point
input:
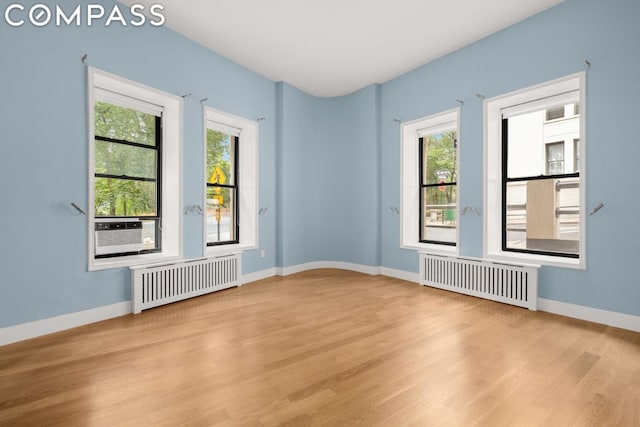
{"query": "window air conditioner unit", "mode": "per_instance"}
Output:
(118, 236)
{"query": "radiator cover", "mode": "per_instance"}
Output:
(503, 282)
(156, 285)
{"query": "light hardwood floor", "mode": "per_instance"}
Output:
(326, 348)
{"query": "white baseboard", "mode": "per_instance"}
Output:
(366, 269)
(38, 328)
(258, 275)
(609, 318)
(399, 274)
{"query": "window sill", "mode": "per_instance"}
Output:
(213, 251)
(129, 261)
(432, 248)
(546, 260)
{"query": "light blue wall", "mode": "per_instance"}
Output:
(552, 44)
(329, 168)
(328, 189)
(43, 164)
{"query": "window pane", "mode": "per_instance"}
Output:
(555, 158)
(220, 158)
(439, 220)
(113, 121)
(555, 113)
(221, 214)
(543, 215)
(124, 197)
(528, 141)
(439, 158)
(149, 234)
(119, 159)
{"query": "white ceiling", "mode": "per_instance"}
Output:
(335, 47)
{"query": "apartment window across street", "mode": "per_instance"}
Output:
(539, 189)
(135, 178)
(222, 187)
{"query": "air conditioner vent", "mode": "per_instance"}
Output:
(118, 236)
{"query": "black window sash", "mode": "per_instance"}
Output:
(156, 218)
(421, 195)
(236, 188)
(506, 180)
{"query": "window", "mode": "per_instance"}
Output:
(135, 173)
(429, 199)
(533, 190)
(438, 187)
(126, 181)
(222, 187)
(555, 113)
(555, 158)
(231, 187)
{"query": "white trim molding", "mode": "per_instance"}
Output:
(63, 322)
(596, 315)
(366, 269)
(258, 275)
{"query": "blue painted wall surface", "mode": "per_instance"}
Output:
(552, 44)
(43, 163)
(329, 166)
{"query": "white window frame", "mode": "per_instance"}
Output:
(247, 179)
(134, 95)
(410, 133)
(521, 101)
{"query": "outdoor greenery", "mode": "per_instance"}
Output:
(439, 167)
(118, 195)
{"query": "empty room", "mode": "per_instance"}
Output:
(290, 213)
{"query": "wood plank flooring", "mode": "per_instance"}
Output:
(326, 348)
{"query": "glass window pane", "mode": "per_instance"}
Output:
(555, 158)
(220, 158)
(555, 113)
(439, 158)
(149, 234)
(124, 197)
(119, 159)
(439, 220)
(529, 139)
(543, 215)
(221, 214)
(115, 122)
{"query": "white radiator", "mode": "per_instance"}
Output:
(152, 286)
(507, 283)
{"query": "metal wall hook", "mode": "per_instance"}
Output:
(189, 210)
(395, 210)
(263, 210)
(78, 208)
(470, 209)
(596, 208)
